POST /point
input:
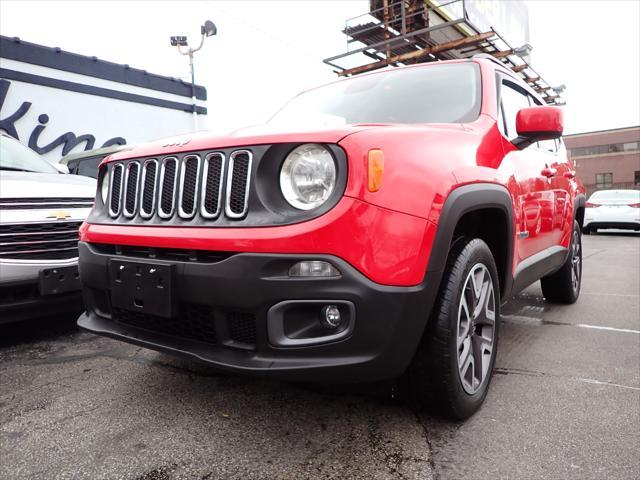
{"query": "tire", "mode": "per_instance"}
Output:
(563, 286)
(433, 380)
(586, 231)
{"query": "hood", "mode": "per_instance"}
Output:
(244, 137)
(45, 185)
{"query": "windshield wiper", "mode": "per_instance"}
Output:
(16, 169)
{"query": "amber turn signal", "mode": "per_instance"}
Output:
(376, 168)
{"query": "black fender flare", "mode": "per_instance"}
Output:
(460, 201)
(579, 201)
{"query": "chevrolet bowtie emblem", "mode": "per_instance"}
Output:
(59, 215)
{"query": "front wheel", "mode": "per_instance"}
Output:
(563, 286)
(453, 366)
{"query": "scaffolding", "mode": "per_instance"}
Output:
(406, 32)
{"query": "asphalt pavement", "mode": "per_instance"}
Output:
(564, 403)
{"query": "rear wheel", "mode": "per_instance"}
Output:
(563, 286)
(452, 368)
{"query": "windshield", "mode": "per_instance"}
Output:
(434, 94)
(15, 156)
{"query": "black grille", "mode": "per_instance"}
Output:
(116, 185)
(148, 189)
(195, 322)
(171, 254)
(56, 202)
(32, 241)
(168, 183)
(132, 188)
(189, 185)
(242, 327)
(213, 185)
(239, 178)
(202, 184)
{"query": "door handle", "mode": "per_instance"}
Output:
(570, 174)
(548, 172)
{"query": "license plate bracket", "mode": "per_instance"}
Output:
(143, 287)
(53, 281)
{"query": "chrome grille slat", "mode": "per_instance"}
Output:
(39, 240)
(189, 175)
(238, 182)
(131, 189)
(168, 181)
(148, 186)
(33, 242)
(22, 252)
(44, 203)
(28, 234)
(213, 173)
(115, 189)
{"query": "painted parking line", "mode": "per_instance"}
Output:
(598, 382)
(626, 295)
(524, 320)
(534, 373)
(613, 329)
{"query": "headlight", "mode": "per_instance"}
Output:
(104, 187)
(308, 176)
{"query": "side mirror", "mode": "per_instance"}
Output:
(60, 167)
(538, 123)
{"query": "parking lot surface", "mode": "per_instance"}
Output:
(564, 403)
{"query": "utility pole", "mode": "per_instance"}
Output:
(207, 30)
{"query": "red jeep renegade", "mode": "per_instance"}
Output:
(371, 230)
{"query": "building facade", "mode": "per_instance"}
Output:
(606, 159)
(58, 102)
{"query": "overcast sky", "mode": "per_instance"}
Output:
(267, 51)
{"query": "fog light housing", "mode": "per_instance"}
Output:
(330, 316)
(313, 268)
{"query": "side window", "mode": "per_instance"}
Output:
(502, 125)
(512, 100)
(548, 146)
(604, 180)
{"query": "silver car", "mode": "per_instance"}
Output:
(41, 210)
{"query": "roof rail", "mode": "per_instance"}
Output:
(488, 56)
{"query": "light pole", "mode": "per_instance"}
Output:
(207, 30)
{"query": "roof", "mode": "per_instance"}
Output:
(610, 130)
(13, 48)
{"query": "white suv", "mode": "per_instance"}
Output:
(41, 210)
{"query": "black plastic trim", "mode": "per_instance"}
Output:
(462, 200)
(536, 266)
(390, 323)
(276, 328)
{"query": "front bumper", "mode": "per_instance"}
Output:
(620, 217)
(20, 295)
(226, 313)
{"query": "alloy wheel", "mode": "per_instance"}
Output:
(476, 328)
(576, 260)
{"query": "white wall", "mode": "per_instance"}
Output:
(81, 113)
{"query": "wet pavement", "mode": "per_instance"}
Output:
(564, 403)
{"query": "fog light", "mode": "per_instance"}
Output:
(313, 268)
(330, 316)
